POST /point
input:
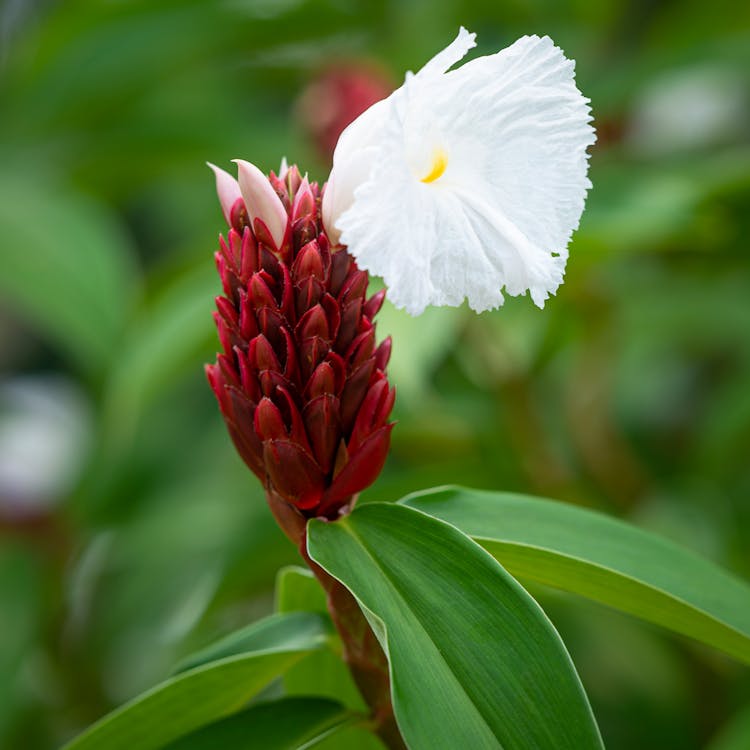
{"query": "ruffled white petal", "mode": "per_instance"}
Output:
(454, 52)
(514, 130)
(355, 152)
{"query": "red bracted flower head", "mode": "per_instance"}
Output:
(300, 382)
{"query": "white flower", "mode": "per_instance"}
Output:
(464, 182)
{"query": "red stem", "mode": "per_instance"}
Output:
(362, 652)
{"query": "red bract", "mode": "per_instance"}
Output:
(336, 96)
(301, 382)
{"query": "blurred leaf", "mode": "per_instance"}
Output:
(210, 689)
(20, 610)
(474, 661)
(169, 335)
(67, 265)
(291, 630)
(321, 673)
(605, 559)
(297, 589)
(419, 344)
(285, 724)
(735, 735)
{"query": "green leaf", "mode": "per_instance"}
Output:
(245, 663)
(285, 724)
(474, 661)
(298, 590)
(602, 558)
(322, 673)
(292, 630)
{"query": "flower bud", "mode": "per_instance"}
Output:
(300, 382)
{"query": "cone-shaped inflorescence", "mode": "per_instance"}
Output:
(300, 382)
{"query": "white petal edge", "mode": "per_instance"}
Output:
(519, 128)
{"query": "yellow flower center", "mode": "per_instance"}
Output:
(439, 163)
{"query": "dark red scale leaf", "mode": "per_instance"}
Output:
(340, 263)
(304, 205)
(213, 374)
(248, 323)
(259, 291)
(263, 234)
(361, 348)
(291, 371)
(280, 188)
(233, 251)
(270, 322)
(383, 354)
(292, 417)
(221, 328)
(287, 294)
(294, 473)
(308, 263)
(261, 354)
(248, 377)
(372, 414)
(224, 275)
(249, 252)
(341, 460)
(271, 380)
(385, 408)
(268, 422)
(312, 351)
(354, 287)
(336, 361)
(333, 315)
(325, 250)
(241, 423)
(227, 369)
(227, 310)
(323, 423)
(323, 380)
(360, 472)
(253, 459)
(314, 323)
(293, 180)
(269, 263)
(225, 252)
(351, 313)
(353, 393)
(238, 216)
(304, 230)
(373, 305)
(309, 294)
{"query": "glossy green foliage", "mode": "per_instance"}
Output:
(321, 673)
(474, 661)
(605, 559)
(217, 682)
(284, 724)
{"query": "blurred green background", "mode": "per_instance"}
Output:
(129, 530)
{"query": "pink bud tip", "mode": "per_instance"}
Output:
(228, 190)
(261, 200)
